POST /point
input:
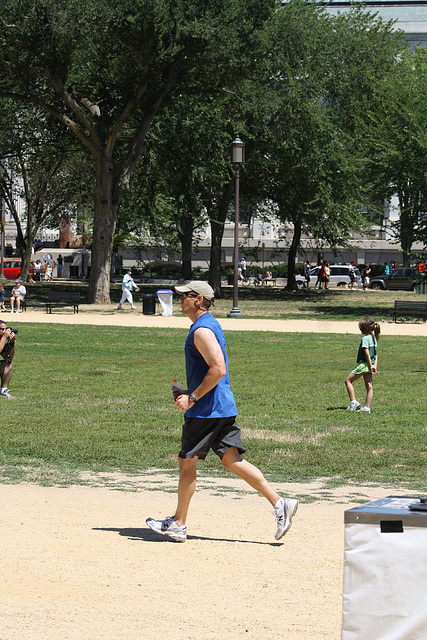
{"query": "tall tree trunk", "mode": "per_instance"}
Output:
(104, 225)
(217, 231)
(293, 250)
(217, 220)
(26, 256)
(186, 238)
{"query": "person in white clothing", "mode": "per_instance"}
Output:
(128, 285)
(18, 294)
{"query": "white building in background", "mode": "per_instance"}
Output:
(410, 15)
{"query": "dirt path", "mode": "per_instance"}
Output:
(80, 564)
(109, 317)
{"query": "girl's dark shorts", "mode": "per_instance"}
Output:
(201, 434)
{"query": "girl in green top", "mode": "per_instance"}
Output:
(367, 363)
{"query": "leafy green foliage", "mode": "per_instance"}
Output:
(321, 73)
(104, 70)
(398, 162)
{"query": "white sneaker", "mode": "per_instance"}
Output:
(168, 527)
(120, 308)
(354, 405)
(133, 307)
(12, 311)
(18, 311)
(365, 409)
(283, 513)
(6, 394)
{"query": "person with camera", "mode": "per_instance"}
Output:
(7, 351)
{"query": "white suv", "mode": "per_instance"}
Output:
(339, 276)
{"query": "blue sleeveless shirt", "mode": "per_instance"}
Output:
(219, 401)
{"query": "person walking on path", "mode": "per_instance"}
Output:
(59, 265)
(50, 265)
(307, 268)
(210, 416)
(352, 276)
(128, 285)
(367, 363)
(327, 270)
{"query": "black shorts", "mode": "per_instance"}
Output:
(201, 434)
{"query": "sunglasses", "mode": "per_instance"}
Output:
(188, 295)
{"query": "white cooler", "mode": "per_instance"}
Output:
(385, 571)
(165, 297)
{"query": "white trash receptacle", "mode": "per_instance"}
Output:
(165, 297)
(384, 570)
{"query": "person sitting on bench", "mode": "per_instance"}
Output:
(18, 294)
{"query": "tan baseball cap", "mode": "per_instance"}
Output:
(198, 286)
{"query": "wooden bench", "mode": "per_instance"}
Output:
(63, 299)
(409, 308)
(268, 281)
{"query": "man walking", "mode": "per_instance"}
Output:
(210, 416)
(307, 267)
(128, 285)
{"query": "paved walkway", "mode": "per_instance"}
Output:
(137, 319)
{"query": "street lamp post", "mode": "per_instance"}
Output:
(238, 158)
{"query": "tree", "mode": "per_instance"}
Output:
(321, 73)
(398, 163)
(37, 166)
(164, 191)
(104, 70)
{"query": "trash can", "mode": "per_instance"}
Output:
(165, 297)
(421, 287)
(384, 570)
(74, 271)
(149, 304)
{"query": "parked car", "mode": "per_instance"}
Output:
(12, 268)
(339, 276)
(403, 278)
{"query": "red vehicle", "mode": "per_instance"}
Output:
(12, 268)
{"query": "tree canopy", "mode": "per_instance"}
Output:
(104, 70)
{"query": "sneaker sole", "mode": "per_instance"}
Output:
(169, 534)
(289, 516)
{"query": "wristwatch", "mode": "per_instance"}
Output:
(192, 398)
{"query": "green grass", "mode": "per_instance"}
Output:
(98, 398)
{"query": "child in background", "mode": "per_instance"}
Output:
(2, 307)
(367, 363)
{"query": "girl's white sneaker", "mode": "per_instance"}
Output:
(365, 409)
(354, 405)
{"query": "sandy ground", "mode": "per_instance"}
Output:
(109, 317)
(79, 563)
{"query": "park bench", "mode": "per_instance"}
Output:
(62, 299)
(410, 308)
(271, 281)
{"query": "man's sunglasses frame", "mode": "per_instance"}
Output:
(188, 295)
